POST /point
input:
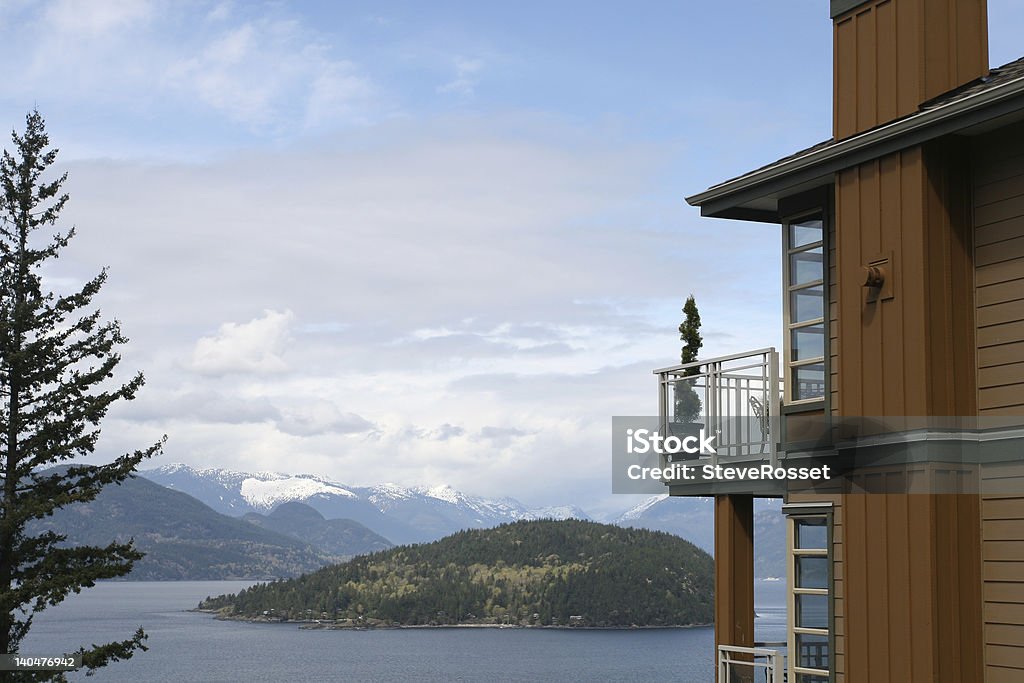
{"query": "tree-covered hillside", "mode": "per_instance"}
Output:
(181, 537)
(543, 572)
(342, 538)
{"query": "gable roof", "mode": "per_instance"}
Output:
(994, 99)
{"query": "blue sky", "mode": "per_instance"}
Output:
(418, 242)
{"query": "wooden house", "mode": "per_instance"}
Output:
(903, 269)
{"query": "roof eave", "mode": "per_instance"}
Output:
(726, 200)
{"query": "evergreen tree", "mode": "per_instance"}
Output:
(689, 334)
(57, 361)
(687, 403)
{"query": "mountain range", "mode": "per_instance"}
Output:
(398, 513)
(336, 537)
(181, 537)
(214, 523)
(422, 514)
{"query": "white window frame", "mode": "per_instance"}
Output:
(788, 288)
(795, 512)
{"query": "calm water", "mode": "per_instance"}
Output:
(187, 646)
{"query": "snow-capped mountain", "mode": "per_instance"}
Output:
(556, 512)
(416, 514)
(399, 513)
(691, 518)
(638, 510)
(268, 493)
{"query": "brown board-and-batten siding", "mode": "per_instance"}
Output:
(909, 561)
(909, 354)
(998, 199)
(892, 55)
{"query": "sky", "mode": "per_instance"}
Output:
(412, 242)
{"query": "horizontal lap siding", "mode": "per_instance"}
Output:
(999, 315)
(999, 271)
(1002, 514)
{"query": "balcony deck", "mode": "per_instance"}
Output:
(734, 397)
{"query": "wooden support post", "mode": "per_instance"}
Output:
(734, 572)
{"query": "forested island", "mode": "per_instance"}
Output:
(536, 573)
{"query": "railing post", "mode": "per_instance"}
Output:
(662, 402)
(773, 405)
(735, 425)
(714, 403)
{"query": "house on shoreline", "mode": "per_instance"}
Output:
(903, 369)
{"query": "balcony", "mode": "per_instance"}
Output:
(735, 397)
(749, 665)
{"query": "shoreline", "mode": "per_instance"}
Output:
(314, 625)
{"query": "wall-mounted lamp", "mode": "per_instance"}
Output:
(878, 278)
(873, 276)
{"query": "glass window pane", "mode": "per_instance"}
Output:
(808, 381)
(811, 611)
(812, 651)
(812, 533)
(811, 572)
(807, 342)
(806, 304)
(804, 232)
(805, 266)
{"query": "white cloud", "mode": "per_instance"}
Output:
(467, 77)
(314, 418)
(448, 431)
(95, 17)
(255, 72)
(205, 406)
(462, 300)
(258, 66)
(336, 91)
(220, 12)
(256, 347)
(464, 303)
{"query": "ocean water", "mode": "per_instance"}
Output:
(189, 646)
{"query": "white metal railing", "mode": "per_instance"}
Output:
(749, 665)
(735, 397)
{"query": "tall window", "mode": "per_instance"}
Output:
(810, 584)
(805, 309)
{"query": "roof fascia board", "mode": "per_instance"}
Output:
(730, 206)
(871, 144)
(740, 213)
